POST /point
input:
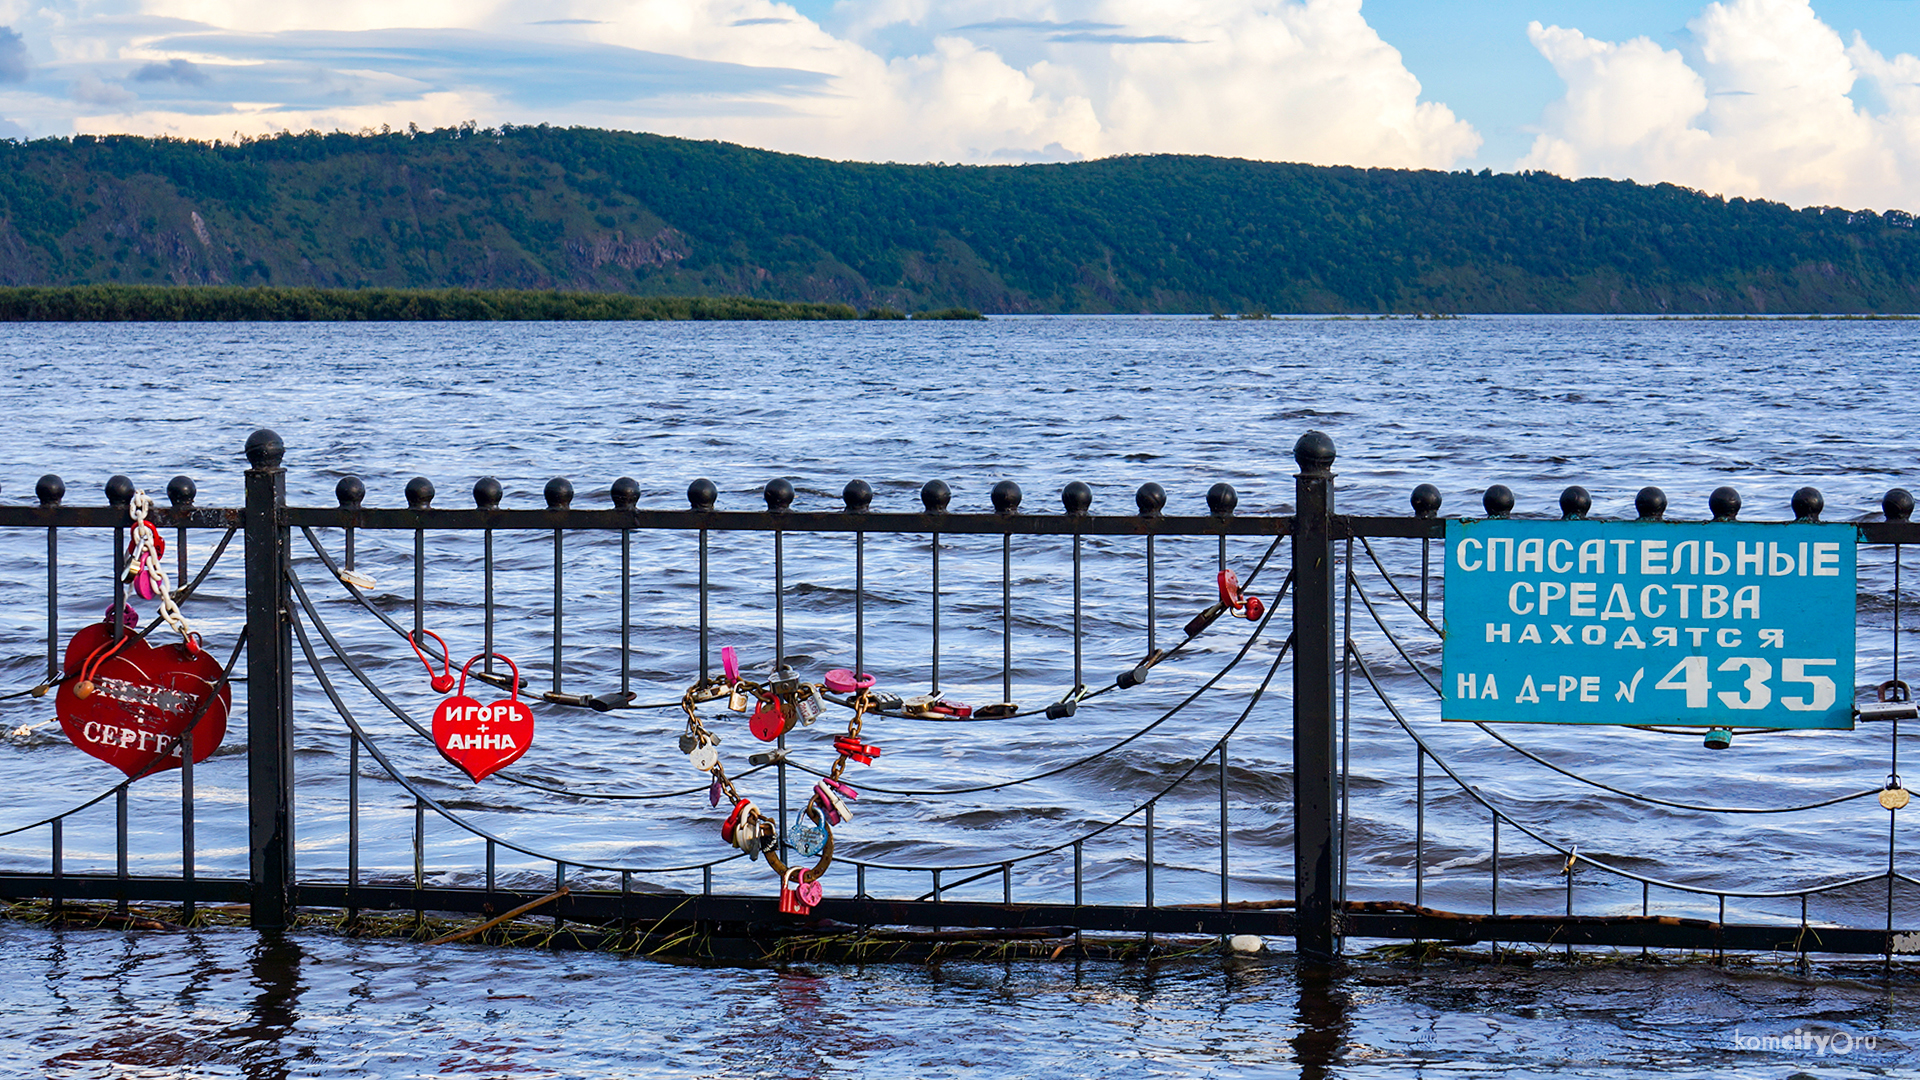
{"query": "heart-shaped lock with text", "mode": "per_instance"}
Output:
(483, 739)
(128, 703)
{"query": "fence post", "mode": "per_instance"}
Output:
(1313, 698)
(269, 684)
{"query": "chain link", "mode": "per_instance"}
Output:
(146, 557)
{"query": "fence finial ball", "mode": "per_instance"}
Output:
(181, 490)
(1006, 497)
(1221, 499)
(265, 449)
(1314, 452)
(625, 493)
(857, 496)
(1897, 505)
(487, 493)
(1575, 503)
(50, 490)
(1724, 503)
(1076, 497)
(1425, 500)
(419, 493)
(702, 494)
(1151, 499)
(1807, 504)
(1498, 501)
(779, 494)
(351, 492)
(559, 492)
(1650, 504)
(119, 490)
(935, 495)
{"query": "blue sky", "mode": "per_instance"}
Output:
(1805, 101)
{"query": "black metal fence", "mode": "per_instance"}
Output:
(318, 636)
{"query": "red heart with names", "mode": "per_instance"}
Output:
(143, 698)
(482, 739)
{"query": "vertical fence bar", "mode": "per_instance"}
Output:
(933, 676)
(1150, 591)
(1006, 617)
(186, 825)
(50, 490)
(58, 857)
(626, 614)
(1495, 909)
(1419, 826)
(120, 849)
(419, 583)
(1150, 807)
(559, 882)
(705, 625)
(353, 825)
(559, 604)
(419, 856)
(1078, 679)
(486, 559)
(1313, 698)
(493, 879)
(1223, 824)
(1346, 713)
(780, 658)
(860, 601)
(270, 778)
(1006, 883)
(936, 885)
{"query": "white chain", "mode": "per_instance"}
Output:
(145, 557)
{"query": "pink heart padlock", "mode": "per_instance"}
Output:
(843, 681)
(809, 892)
(730, 663)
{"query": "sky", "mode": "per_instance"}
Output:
(1808, 102)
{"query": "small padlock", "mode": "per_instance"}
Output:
(769, 720)
(790, 903)
(811, 836)
(831, 804)
(882, 701)
(689, 742)
(737, 700)
(808, 705)
(714, 792)
(728, 826)
(809, 890)
(704, 758)
(784, 682)
(1893, 796)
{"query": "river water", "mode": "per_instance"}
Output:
(1534, 403)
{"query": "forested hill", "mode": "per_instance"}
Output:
(582, 209)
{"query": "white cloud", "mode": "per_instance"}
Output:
(1758, 106)
(904, 80)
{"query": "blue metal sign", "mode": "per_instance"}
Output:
(1721, 624)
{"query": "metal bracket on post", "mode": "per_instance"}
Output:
(1315, 649)
(269, 684)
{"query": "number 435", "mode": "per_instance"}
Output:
(1690, 675)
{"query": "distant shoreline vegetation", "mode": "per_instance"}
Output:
(213, 303)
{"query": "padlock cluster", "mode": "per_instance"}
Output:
(777, 706)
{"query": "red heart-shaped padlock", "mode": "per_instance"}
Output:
(140, 699)
(770, 720)
(483, 739)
